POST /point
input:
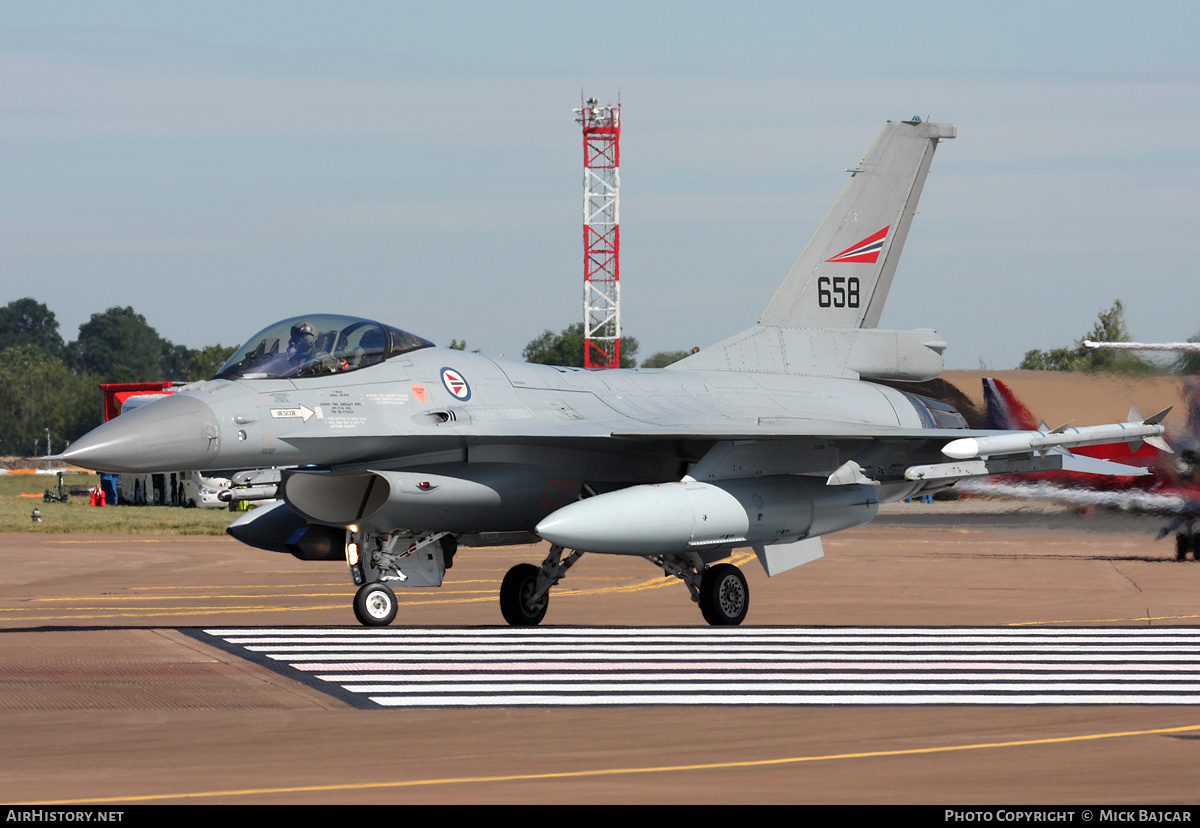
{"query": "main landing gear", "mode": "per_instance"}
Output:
(378, 563)
(525, 590)
(720, 590)
(724, 595)
(1187, 541)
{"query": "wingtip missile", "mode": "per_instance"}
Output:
(1024, 442)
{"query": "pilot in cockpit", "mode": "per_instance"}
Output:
(302, 350)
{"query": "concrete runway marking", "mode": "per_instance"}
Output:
(646, 666)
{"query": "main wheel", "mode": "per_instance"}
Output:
(375, 605)
(516, 597)
(724, 595)
(1182, 544)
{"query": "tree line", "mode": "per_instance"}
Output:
(566, 348)
(1110, 327)
(48, 386)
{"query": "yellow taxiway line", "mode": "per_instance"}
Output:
(598, 772)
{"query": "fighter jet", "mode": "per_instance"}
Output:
(396, 453)
(1158, 479)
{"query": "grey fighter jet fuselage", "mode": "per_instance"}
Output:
(396, 451)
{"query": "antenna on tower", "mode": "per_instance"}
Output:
(601, 233)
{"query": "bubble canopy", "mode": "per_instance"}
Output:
(316, 344)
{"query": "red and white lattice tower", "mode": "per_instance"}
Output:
(601, 233)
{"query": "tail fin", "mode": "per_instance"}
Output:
(841, 280)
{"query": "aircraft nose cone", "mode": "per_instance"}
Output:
(176, 433)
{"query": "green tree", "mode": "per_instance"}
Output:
(566, 348)
(1187, 364)
(662, 359)
(39, 393)
(176, 362)
(29, 322)
(120, 346)
(206, 361)
(1059, 359)
(1109, 327)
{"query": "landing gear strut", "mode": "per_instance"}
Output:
(525, 590)
(380, 562)
(720, 590)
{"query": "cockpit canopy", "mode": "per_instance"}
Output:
(308, 346)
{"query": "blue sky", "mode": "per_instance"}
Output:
(219, 166)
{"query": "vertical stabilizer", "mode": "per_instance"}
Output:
(1004, 410)
(842, 278)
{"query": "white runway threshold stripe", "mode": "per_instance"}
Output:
(614, 666)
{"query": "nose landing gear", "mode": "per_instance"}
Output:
(375, 605)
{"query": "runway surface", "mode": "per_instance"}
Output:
(109, 695)
(633, 667)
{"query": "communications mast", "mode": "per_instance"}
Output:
(601, 233)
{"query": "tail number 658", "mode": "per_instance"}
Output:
(838, 292)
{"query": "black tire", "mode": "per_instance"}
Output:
(518, 585)
(724, 595)
(375, 605)
(1181, 546)
(1194, 543)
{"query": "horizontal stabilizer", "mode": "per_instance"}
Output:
(871, 354)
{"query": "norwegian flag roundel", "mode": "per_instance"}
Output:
(456, 384)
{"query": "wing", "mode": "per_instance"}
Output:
(877, 455)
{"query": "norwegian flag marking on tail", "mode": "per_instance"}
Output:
(866, 250)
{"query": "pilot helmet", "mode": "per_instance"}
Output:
(304, 335)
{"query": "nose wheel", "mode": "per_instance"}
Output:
(375, 605)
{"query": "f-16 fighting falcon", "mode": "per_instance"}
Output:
(396, 453)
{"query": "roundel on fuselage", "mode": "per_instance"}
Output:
(456, 384)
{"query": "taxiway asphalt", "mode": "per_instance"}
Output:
(104, 700)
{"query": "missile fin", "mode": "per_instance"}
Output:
(1158, 418)
(1160, 444)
